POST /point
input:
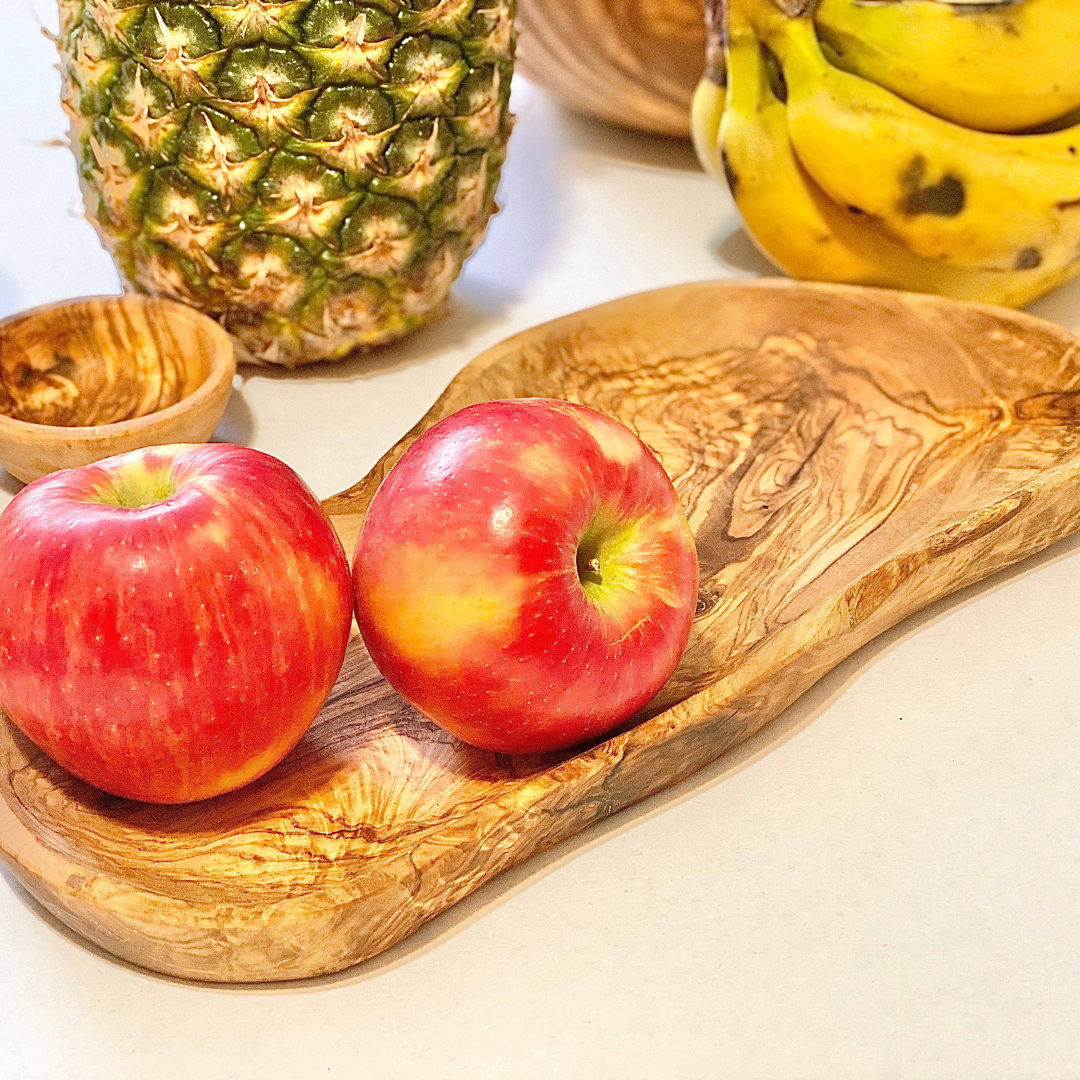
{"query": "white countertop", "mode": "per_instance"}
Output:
(891, 890)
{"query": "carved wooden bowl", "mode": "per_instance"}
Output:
(629, 62)
(87, 379)
(845, 456)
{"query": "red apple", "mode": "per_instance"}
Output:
(525, 576)
(171, 619)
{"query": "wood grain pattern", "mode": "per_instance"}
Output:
(845, 456)
(629, 62)
(85, 379)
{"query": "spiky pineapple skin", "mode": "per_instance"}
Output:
(313, 173)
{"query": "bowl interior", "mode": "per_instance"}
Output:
(102, 361)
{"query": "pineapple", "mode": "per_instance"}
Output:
(313, 173)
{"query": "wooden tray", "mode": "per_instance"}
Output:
(846, 457)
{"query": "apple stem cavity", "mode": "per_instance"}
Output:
(588, 563)
(136, 487)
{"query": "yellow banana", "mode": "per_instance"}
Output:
(805, 233)
(711, 94)
(705, 114)
(971, 198)
(1002, 66)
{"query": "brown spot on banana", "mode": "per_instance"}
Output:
(945, 198)
(1029, 259)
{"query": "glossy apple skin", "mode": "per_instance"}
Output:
(468, 592)
(173, 651)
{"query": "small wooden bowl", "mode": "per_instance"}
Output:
(86, 379)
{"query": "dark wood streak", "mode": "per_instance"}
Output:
(845, 456)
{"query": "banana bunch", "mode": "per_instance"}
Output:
(914, 144)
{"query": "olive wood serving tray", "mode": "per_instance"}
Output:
(845, 457)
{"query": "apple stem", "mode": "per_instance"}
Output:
(588, 561)
(589, 571)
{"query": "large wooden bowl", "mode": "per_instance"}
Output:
(629, 62)
(845, 456)
(86, 379)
